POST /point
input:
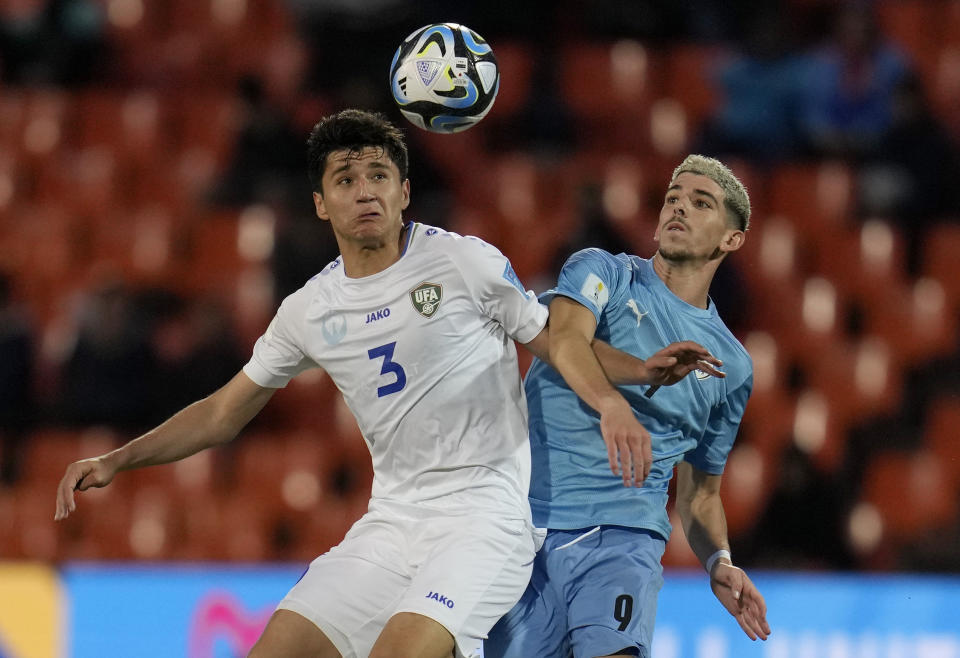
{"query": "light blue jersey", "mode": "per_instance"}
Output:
(696, 419)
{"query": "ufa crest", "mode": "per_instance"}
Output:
(426, 298)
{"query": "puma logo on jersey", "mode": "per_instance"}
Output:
(440, 599)
(426, 298)
(701, 375)
(632, 305)
(378, 315)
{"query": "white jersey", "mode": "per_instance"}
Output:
(423, 355)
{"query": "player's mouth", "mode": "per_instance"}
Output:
(675, 225)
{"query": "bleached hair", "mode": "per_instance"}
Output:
(735, 196)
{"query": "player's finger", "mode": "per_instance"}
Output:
(647, 456)
(640, 466)
(746, 626)
(627, 464)
(612, 457)
(756, 625)
(706, 367)
(65, 502)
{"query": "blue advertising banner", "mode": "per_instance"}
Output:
(214, 611)
(193, 610)
(815, 615)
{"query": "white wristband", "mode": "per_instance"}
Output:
(712, 560)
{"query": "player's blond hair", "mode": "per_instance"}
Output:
(735, 196)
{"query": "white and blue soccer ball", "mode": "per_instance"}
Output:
(444, 77)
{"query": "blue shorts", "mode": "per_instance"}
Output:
(593, 592)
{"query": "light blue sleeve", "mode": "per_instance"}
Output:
(710, 455)
(590, 277)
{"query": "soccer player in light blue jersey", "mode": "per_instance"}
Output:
(595, 582)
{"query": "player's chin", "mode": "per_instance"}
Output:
(675, 254)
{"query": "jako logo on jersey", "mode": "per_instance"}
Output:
(440, 598)
(378, 315)
(701, 375)
(595, 290)
(426, 298)
(333, 329)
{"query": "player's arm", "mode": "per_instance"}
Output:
(664, 368)
(211, 421)
(571, 353)
(705, 525)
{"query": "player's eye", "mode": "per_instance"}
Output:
(702, 204)
(346, 180)
(672, 198)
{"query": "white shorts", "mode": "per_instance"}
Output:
(464, 572)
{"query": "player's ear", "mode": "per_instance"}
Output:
(321, 207)
(405, 191)
(732, 240)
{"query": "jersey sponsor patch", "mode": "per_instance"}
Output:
(595, 290)
(426, 298)
(512, 277)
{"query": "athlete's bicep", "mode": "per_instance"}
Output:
(570, 317)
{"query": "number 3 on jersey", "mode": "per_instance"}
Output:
(389, 367)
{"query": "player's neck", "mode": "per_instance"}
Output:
(688, 280)
(362, 259)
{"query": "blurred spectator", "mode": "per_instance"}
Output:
(802, 526)
(50, 41)
(104, 379)
(268, 155)
(850, 86)
(16, 376)
(909, 176)
(194, 349)
(760, 90)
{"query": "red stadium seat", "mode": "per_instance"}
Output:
(941, 435)
(911, 492)
(941, 246)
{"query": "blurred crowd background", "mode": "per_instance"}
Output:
(154, 209)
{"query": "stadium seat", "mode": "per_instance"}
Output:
(515, 62)
(941, 246)
(914, 321)
(817, 197)
(911, 492)
(941, 434)
(687, 78)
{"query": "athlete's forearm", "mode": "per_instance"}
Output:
(621, 368)
(701, 512)
(573, 357)
(211, 421)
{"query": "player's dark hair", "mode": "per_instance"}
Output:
(353, 131)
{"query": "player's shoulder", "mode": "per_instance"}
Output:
(431, 238)
(597, 255)
(326, 279)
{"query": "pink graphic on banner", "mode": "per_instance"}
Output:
(222, 616)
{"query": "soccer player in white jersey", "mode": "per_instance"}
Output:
(414, 325)
(595, 582)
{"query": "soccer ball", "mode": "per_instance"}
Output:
(444, 77)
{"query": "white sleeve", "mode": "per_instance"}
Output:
(277, 356)
(491, 280)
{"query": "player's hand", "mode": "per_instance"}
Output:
(80, 476)
(740, 597)
(628, 444)
(677, 360)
